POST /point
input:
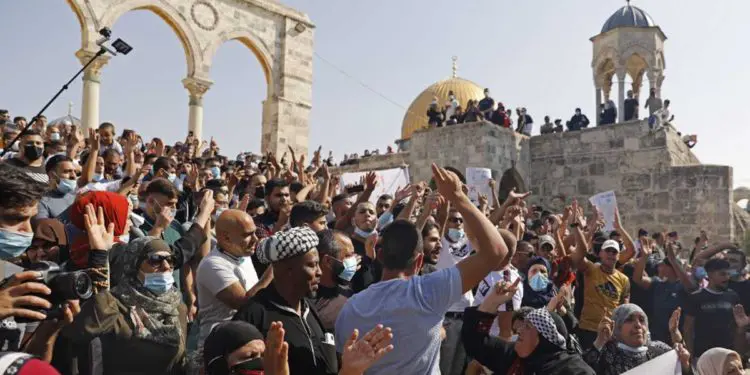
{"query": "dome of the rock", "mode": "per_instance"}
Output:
(628, 16)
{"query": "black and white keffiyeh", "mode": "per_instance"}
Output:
(287, 244)
(543, 322)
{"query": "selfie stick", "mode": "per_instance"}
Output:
(119, 45)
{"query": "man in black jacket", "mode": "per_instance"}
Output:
(294, 257)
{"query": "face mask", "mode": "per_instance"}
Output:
(66, 186)
(54, 137)
(98, 177)
(640, 349)
(539, 282)
(251, 367)
(159, 282)
(700, 273)
(452, 97)
(32, 152)
(13, 244)
(514, 338)
(349, 269)
(734, 273)
(362, 233)
(157, 210)
(172, 178)
(142, 206)
(125, 238)
(385, 219)
(456, 234)
(133, 200)
(216, 172)
(218, 213)
(137, 220)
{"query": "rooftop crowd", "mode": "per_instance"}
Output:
(452, 113)
(188, 262)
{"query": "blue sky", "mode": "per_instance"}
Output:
(533, 53)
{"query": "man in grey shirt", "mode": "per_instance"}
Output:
(414, 306)
(63, 185)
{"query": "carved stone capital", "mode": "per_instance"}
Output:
(93, 72)
(197, 88)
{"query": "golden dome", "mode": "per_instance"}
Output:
(416, 115)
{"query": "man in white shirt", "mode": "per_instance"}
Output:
(226, 278)
(455, 247)
(503, 324)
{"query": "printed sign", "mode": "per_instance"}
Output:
(389, 180)
(607, 204)
(477, 181)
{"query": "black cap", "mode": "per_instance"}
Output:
(642, 232)
(223, 340)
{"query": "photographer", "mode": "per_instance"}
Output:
(19, 197)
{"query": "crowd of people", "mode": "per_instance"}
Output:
(130, 257)
(452, 113)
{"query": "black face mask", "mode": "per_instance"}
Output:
(251, 367)
(32, 152)
(260, 192)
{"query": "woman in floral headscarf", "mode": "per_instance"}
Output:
(624, 343)
(116, 211)
(140, 325)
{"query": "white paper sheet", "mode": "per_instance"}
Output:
(477, 181)
(607, 204)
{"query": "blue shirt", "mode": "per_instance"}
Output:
(414, 309)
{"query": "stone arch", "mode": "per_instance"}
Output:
(171, 16)
(510, 179)
(648, 56)
(256, 45)
(741, 193)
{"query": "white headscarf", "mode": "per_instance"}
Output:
(712, 361)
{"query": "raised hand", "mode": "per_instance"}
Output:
(164, 218)
(402, 193)
(276, 356)
(501, 293)
(371, 180)
(482, 200)
(519, 196)
(94, 141)
(491, 184)
(646, 246)
(448, 184)
(370, 243)
(740, 318)
(359, 355)
(18, 296)
(131, 141)
(244, 202)
(207, 201)
(101, 235)
(683, 354)
(604, 332)
(674, 320)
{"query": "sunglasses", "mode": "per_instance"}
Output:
(456, 220)
(155, 260)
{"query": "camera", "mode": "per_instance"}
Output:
(64, 286)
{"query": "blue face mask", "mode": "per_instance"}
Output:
(700, 273)
(172, 178)
(159, 282)
(66, 186)
(13, 244)
(456, 234)
(350, 268)
(362, 233)
(98, 177)
(216, 171)
(385, 219)
(539, 282)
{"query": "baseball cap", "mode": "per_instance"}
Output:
(611, 244)
(546, 239)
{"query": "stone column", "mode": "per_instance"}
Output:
(655, 78)
(598, 103)
(91, 82)
(196, 88)
(621, 95)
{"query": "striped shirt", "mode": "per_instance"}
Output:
(37, 173)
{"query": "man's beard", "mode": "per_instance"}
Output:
(311, 294)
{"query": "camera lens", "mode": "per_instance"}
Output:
(70, 285)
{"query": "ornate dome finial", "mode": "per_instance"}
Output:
(455, 66)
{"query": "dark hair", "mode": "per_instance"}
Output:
(295, 187)
(327, 244)
(161, 186)
(274, 183)
(31, 133)
(740, 253)
(255, 203)
(398, 208)
(428, 226)
(18, 189)
(215, 184)
(164, 163)
(716, 264)
(54, 161)
(386, 197)
(338, 198)
(613, 234)
(107, 125)
(401, 242)
(149, 158)
(110, 152)
(19, 118)
(305, 213)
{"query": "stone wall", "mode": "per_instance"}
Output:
(658, 182)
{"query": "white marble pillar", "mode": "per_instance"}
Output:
(91, 82)
(621, 96)
(196, 88)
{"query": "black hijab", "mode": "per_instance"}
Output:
(541, 298)
(552, 358)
